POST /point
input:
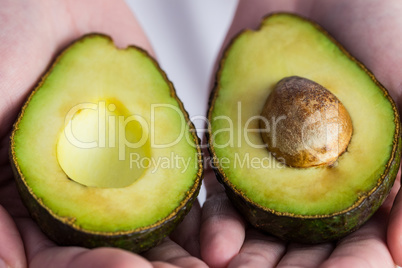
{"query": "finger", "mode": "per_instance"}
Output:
(365, 247)
(222, 229)
(11, 246)
(74, 257)
(187, 233)
(259, 250)
(43, 253)
(80, 257)
(394, 234)
(302, 255)
(34, 240)
(170, 252)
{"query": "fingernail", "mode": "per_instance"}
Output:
(3, 264)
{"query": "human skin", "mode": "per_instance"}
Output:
(31, 34)
(371, 31)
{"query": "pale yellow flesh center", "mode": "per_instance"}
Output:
(97, 142)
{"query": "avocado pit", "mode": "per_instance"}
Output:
(96, 143)
(304, 125)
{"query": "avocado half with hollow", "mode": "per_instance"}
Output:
(104, 153)
(305, 140)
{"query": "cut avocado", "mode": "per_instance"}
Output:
(104, 153)
(301, 189)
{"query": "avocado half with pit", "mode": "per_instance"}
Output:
(104, 153)
(304, 138)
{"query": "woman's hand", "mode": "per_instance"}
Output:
(371, 31)
(31, 34)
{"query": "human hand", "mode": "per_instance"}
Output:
(371, 32)
(32, 33)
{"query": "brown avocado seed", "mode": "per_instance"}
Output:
(305, 125)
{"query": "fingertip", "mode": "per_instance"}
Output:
(217, 252)
(222, 231)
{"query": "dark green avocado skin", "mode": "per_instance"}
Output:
(65, 235)
(320, 229)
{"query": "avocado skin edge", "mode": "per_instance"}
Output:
(314, 230)
(63, 231)
(299, 228)
(65, 235)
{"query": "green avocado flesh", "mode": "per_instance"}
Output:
(105, 147)
(287, 45)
